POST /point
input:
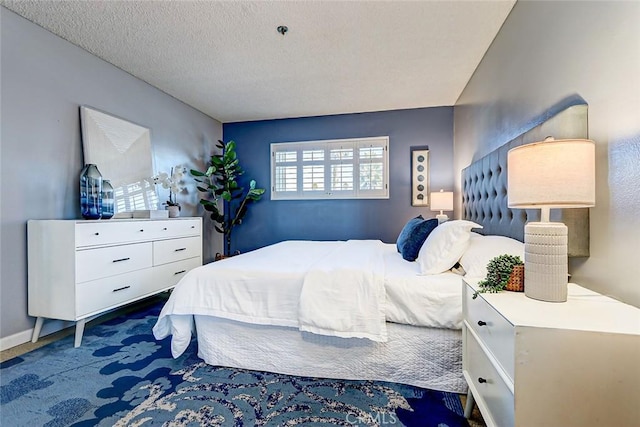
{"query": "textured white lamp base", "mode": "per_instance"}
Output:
(545, 261)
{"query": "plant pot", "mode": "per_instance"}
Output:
(174, 211)
(220, 256)
(516, 279)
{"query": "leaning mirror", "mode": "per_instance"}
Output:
(122, 152)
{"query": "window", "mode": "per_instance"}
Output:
(335, 169)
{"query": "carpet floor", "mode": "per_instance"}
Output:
(122, 376)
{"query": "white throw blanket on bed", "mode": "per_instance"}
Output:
(343, 293)
(331, 288)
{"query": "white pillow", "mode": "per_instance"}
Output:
(483, 249)
(444, 246)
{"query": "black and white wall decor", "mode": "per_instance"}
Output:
(420, 176)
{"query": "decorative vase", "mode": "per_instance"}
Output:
(174, 211)
(108, 200)
(90, 192)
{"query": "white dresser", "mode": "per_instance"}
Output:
(534, 363)
(80, 268)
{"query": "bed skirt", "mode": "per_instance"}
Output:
(424, 357)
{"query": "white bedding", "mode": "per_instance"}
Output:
(343, 293)
(413, 299)
(265, 287)
(424, 357)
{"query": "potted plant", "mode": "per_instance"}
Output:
(174, 183)
(219, 181)
(499, 271)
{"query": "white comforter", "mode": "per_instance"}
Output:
(332, 288)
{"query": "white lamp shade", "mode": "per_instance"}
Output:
(554, 173)
(442, 201)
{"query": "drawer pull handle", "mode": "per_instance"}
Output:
(193, 226)
(96, 233)
(481, 323)
(121, 289)
(121, 259)
(180, 249)
(179, 272)
(165, 229)
(482, 380)
(141, 230)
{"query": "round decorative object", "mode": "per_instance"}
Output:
(420, 196)
(420, 168)
(91, 192)
(421, 158)
(420, 178)
(420, 187)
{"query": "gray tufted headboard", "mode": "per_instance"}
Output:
(484, 186)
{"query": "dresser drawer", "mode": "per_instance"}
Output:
(168, 275)
(109, 233)
(175, 228)
(97, 263)
(103, 294)
(487, 386)
(493, 329)
(172, 250)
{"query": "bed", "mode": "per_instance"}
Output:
(408, 315)
(272, 309)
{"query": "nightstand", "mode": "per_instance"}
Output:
(534, 363)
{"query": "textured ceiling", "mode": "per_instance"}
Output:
(227, 60)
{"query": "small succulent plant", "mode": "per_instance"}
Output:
(498, 271)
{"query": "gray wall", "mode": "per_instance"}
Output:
(545, 54)
(44, 80)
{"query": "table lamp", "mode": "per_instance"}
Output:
(442, 201)
(545, 175)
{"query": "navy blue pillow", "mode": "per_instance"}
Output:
(413, 235)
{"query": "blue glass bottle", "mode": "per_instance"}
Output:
(108, 201)
(90, 192)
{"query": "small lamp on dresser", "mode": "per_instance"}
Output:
(545, 175)
(442, 201)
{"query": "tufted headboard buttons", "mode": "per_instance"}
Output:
(484, 187)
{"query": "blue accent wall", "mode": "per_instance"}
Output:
(271, 221)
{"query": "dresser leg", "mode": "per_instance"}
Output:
(79, 331)
(468, 407)
(36, 329)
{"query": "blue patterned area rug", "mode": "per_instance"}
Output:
(122, 376)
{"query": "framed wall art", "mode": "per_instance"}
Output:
(122, 152)
(420, 176)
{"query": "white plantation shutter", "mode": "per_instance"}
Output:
(313, 170)
(285, 171)
(342, 160)
(333, 169)
(372, 164)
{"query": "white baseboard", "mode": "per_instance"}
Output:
(15, 339)
(52, 325)
(49, 327)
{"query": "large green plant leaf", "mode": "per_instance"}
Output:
(219, 181)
